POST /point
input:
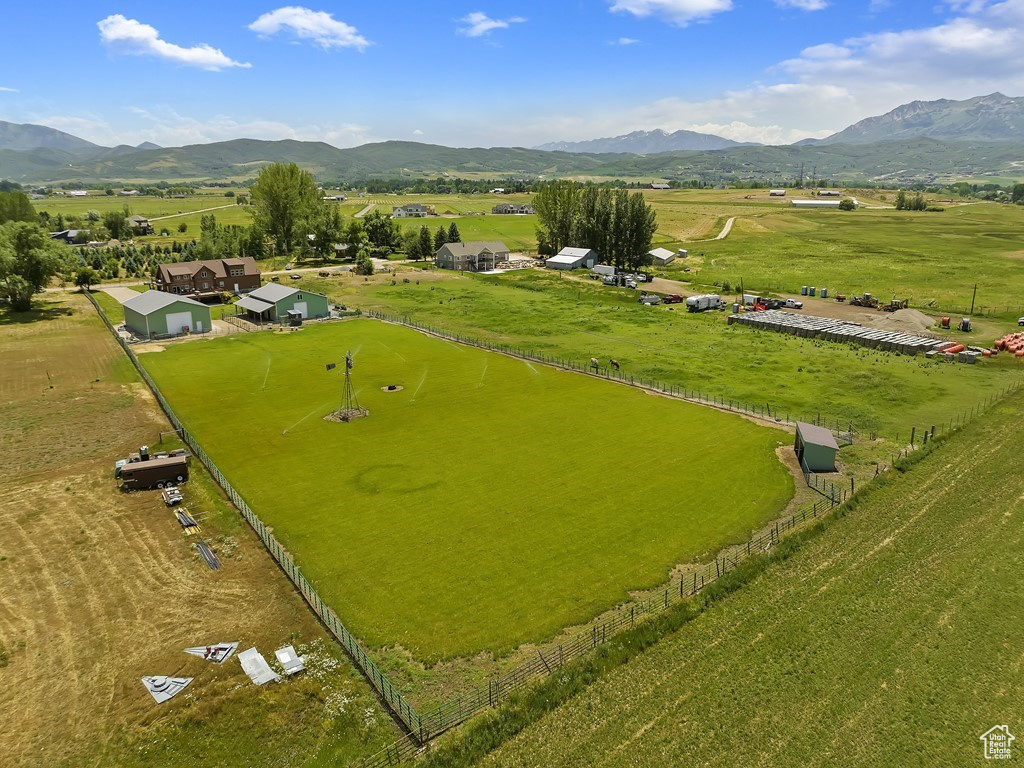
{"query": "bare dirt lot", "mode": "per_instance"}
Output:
(99, 587)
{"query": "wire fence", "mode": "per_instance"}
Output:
(844, 433)
(390, 695)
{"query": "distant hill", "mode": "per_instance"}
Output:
(25, 136)
(644, 143)
(984, 118)
(148, 145)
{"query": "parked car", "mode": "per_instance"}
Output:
(287, 266)
(672, 298)
(1020, 321)
(295, 277)
(324, 274)
(793, 304)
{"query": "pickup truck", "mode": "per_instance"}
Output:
(793, 304)
(672, 298)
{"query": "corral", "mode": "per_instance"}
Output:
(490, 502)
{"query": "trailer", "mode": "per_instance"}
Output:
(603, 269)
(153, 473)
(704, 302)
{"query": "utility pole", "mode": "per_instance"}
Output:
(801, 184)
(974, 297)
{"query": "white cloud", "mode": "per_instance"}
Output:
(417, 132)
(131, 36)
(478, 24)
(317, 26)
(678, 12)
(625, 41)
(8, 90)
(803, 5)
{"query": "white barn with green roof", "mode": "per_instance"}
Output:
(155, 314)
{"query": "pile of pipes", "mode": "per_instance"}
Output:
(830, 329)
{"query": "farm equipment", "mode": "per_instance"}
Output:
(172, 495)
(895, 305)
(650, 299)
(840, 297)
(867, 300)
(965, 325)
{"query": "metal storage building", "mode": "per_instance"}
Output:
(662, 256)
(273, 301)
(815, 447)
(155, 313)
(573, 258)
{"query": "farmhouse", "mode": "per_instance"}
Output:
(815, 448)
(512, 209)
(274, 302)
(573, 258)
(412, 211)
(208, 279)
(662, 256)
(154, 314)
(139, 225)
(476, 256)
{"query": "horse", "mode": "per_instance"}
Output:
(615, 364)
(594, 363)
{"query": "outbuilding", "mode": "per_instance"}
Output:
(815, 447)
(154, 314)
(662, 256)
(274, 301)
(573, 258)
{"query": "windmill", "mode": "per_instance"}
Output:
(350, 408)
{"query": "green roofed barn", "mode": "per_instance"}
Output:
(154, 314)
(273, 302)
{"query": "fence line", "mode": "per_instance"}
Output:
(766, 411)
(391, 696)
(423, 727)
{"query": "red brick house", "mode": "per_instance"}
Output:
(208, 279)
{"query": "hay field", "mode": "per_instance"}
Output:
(490, 502)
(98, 588)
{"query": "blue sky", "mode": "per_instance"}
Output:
(481, 73)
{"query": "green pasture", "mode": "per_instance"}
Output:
(926, 256)
(890, 639)
(548, 312)
(490, 502)
(143, 205)
(517, 232)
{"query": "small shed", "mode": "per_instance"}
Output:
(155, 313)
(573, 258)
(662, 256)
(815, 447)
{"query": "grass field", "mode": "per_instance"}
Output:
(876, 391)
(99, 587)
(893, 638)
(489, 503)
(923, 255)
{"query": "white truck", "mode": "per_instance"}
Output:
(704, 302)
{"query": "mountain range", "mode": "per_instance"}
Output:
(920, 141)
(645, 143)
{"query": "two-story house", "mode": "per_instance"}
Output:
(208, 279)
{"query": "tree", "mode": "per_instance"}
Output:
(15, 206)
(115, 223)
(1017, 194)
(327, 229)
(411, 244)
(28, 259)
(364, 265)
(183, 227)
(847, 205)
(382, 231)
(284, 201)
(453, 234)
(92, 215)
(86, 278)
(440, 238)
(426, 249)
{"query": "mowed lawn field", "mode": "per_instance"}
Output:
(891, 639)
(490, 502)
